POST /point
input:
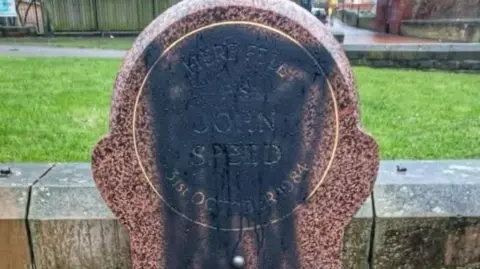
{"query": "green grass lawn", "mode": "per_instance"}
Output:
(56, 109)
(74, 42)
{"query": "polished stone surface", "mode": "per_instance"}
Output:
(212, 141)
(428, 216)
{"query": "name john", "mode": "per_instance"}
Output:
(224, 123)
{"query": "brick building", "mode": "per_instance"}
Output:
(390, 13)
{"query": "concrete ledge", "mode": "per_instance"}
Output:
(427, 217)
(357, 240)
(71, 227)
(14, 199)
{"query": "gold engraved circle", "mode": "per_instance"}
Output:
(265, 27)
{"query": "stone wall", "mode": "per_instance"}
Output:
(443, 9)
(392, 12)
(427, 217)
(452, 57)
(462, 30)
(353, 19)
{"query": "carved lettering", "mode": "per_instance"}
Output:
(248, 207)
(274, 63)
(250, 54)
(262, 55)
(245, 87)
(231, 207)
(218, 150)
(207, 57)
(232, 49)
(273, 154)
(198, 198)
(228, 207)
(251, 151)
(181, 187)
(220, 53)
(236, 154)
(244, 124)
(175, 175)
(230, 145)
(297, 174)
(264, 121)
(287, 186)
(197, 155)
(202, 127)
(211, 204)
(257, 56)
(222, 123)
(192, 65)
(210, 57)
(271, 198)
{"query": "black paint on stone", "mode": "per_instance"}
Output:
(228, 106)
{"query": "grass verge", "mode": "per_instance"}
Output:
(56, 109)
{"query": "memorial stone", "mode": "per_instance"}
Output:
(234, 140)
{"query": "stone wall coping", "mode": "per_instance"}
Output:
(439, 172)
(448, 188)
(68, 192)
(437, 56)
(427, 188)
(23, 174)
(68, 174)
(431, 203)
(430, 47)
(14, 189)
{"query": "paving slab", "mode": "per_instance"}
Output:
(39, 51)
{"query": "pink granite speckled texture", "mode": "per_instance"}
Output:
(318, 224)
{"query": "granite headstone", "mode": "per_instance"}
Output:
(234, 140)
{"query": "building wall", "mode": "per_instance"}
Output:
(390, 13)
(445, 9)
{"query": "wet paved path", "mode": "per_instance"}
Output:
(362, 36)
(37, 51)
(352, 36)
